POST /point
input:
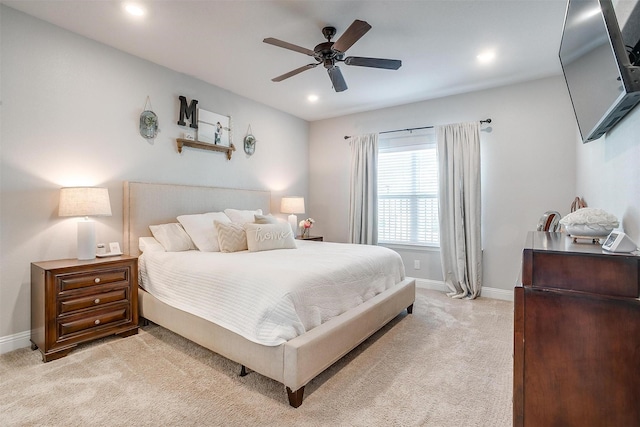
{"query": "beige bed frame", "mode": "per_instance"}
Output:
(293, 363)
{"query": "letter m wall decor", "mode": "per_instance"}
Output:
(189, 112)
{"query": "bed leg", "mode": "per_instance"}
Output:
(410, 309)
(243, 371)
(142, 321)
(295, 397)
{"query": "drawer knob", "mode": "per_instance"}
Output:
(97, 300)
(97, 322)
(97, 280)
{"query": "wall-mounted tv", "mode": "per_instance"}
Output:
(600, 66)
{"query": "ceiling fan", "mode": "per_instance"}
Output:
(329, 53)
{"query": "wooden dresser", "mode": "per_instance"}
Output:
(576, 335)
(77, 301)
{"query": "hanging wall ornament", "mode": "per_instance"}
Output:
(148, 121)
(249, 142)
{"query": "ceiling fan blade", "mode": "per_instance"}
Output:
(294, 72)
(387, 64)
(337, 80)
(355, 31)
(290, 46)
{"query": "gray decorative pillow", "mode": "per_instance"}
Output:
(172, 237)
(266, 237)
(231, 236)
(265, 219)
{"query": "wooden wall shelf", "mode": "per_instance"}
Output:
(205, 146)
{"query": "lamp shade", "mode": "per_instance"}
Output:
(84, 201)
(292, 205)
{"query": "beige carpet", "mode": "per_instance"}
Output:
(447, 364)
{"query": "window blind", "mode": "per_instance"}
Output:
(408, 191)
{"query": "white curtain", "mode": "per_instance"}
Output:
(459, 208)
(363, 193)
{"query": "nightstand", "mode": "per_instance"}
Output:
(74, 301)
(312, 238)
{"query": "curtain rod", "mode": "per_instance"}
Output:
(411, 129)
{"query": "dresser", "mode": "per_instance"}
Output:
(74, 301)
(576, 335)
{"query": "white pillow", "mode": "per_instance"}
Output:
(202, 231)
(265, 219)
(265, 237)
(172, 237)
(242, 216)
(231, 237)
(149, 244)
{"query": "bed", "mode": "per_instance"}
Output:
(292, 361)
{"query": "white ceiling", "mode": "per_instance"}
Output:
(220, 42)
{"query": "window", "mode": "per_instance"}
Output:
(408, 190)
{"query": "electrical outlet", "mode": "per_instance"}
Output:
(416, 264)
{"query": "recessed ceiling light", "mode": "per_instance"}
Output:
(134, 9)
(486, 57)
(312, 98)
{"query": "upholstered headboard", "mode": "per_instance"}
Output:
(149, 204)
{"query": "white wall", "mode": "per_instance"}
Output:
(528, 166)
(608, 172)
(70, 109)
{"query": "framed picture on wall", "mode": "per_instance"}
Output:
(214, 128)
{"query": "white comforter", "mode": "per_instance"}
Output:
(273, 296)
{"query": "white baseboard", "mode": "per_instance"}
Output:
(15, 341)
(495, 293)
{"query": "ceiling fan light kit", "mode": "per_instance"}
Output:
(329, 53)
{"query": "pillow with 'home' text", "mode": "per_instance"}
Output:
(266, 237)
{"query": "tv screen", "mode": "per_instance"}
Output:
(602, 83)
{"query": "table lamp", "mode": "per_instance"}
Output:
(85, 201)
(293, 206)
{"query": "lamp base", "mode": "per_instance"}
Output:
(86, 239)
(293, 222)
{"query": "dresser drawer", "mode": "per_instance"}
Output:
(69, 282)
(72, 304)
(102, 319)
(604, 275)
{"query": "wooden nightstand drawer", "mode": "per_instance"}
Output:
(72, 304)
(87, 321)
(68, 282)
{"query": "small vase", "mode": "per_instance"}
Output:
(305, 233)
